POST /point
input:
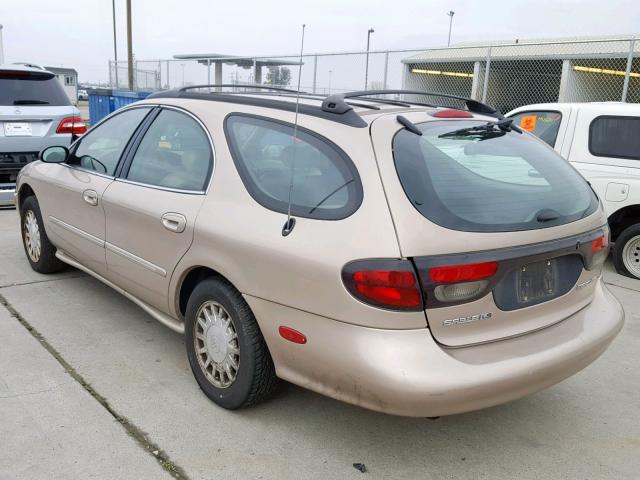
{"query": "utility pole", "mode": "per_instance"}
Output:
(129, 46)
(115, 43)
(366, 68)
(450, 13)
(330, 72)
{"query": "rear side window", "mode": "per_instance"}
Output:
(488, 181)
(99, 150)
(544, 125)
(325, 183)
(31, 88)
(617, 137)
(174, 153)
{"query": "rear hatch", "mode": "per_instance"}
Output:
(506, 236)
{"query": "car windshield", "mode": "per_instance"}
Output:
(488, 179)
(24, 88)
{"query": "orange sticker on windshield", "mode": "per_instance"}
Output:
(528, 123)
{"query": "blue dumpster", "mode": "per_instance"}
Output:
(103, 101)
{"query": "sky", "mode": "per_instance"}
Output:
(80, 35)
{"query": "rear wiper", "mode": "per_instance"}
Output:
(30, 102)
(488, 129)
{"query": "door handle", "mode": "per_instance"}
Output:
(175, 222)
(91, 197)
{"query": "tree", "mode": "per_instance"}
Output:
(278, 76)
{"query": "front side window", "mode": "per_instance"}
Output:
(488, 180)
(101, 148)
(617, 137)
(322, 179)
(544, 125)
(174, 153)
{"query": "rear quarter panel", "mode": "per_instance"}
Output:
(242, 240)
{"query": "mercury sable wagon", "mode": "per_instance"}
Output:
(394, 253)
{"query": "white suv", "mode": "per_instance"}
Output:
(602, 140)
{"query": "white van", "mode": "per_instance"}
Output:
(602, 141)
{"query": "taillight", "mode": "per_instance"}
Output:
(599, 250)
(390, 284)
(463, 273)
(599, 244)
(459, 283)
(73, 125)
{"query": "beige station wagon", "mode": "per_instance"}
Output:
(416, 254)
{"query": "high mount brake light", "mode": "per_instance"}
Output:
(73, 125)
(390, 284)
(452, 113)
(463, 273)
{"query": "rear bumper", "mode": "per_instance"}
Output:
(405, 372)
(7, 195)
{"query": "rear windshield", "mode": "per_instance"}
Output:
(26, 88)
(496, 181)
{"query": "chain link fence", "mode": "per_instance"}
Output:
(504, 75)
(145, 78)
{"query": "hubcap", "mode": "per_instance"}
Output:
(32, 236)
(216, 344)
(631, 256)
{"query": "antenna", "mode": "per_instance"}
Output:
(291, 222)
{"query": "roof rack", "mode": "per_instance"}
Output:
(336, 107)
(235, 85)
(337, 104)
(349, 117)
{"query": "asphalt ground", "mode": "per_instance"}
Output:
(93, 388)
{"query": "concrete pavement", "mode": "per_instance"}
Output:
(136, 370)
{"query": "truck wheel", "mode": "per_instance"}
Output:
(626, 252)
(226, 350)
(40, 251)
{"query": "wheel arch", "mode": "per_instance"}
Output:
(188, 282)
(623, 218)
(25, 191)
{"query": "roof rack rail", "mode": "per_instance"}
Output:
(350, 117)
(337, 104)
(234, 85)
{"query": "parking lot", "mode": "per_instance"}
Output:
(91, 387)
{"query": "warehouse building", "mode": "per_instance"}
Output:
(514, 73)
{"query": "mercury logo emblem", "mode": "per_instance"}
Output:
(469, 319)
(17, 111)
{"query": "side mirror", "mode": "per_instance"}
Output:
(54, 154)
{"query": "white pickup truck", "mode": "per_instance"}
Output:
(602, 141)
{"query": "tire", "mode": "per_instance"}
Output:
(39, 250)
(212, 347)
(626, 252)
